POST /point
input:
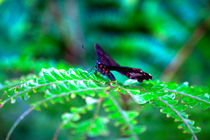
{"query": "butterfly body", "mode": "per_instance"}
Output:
(103, 69)
(105, 64)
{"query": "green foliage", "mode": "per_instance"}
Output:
(12, 67)
(95, 126)
(144, 34)
(140, 29)
(60, 86)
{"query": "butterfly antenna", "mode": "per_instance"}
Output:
(88, 51)
(84, 67)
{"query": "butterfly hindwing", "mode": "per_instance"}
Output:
(132, 73)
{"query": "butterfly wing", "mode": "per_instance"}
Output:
(132, 73)
(102, 57)
(106, 64)
(103, 60)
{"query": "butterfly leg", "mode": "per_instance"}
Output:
(111, 76)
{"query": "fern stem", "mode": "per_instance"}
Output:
(178, 114)
(182, 93)
(39, 86)
(97, 108)
(55, 136)
(123, 115)
(188, 95)
(96, 112)
(12, 85)
(183, 54)
(27, 112)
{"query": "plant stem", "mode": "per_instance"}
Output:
(183, 54)
(94, 116)
(57, 132)
(28, 111)
(22, 116)
(180, 116)
(123, 115)
(35, 87)
(188, 95)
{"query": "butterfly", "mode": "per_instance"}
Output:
(105, 64)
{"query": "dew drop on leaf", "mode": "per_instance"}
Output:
(206, 95)
(73, 96)
(90, 100)
(186, 83)
(12, 100)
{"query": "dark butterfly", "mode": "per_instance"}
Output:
(105, 64)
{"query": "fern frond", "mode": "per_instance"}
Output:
(95, 126)
(166, 96)
(124, 118)
(173, 99)
(168, 107)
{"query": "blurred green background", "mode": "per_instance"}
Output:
(169, 39)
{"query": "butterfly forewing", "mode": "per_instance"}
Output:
(102, 57)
